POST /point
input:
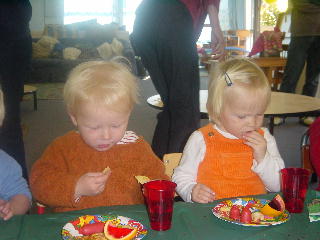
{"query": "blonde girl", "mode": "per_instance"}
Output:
(233, 155)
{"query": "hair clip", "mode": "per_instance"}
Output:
(227, 79)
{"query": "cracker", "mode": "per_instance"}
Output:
(142, 179)
(106, 170)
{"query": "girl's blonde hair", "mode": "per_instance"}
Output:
(2, 110)
(235, 73)
(100, 82)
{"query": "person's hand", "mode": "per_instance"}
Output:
(91, 184)
(5, 210)
(202, 194)
(217, 39)
(217, 45)
(258, 144)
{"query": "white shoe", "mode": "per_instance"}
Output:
(278, 121)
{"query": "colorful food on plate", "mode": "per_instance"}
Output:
(93, 227)
(119, 232)
(142, 179)
(274, 208)
(246, 212)
(107, 169)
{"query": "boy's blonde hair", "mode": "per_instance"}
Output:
(99, 82)
(238, 73)
(2, 110)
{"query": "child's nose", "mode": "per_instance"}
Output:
(106, 133)
(252, 121)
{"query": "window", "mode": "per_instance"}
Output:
(105, 11)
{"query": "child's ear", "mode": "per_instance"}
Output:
(73, 119)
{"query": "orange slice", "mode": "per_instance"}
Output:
(274, 208)
(119, 232)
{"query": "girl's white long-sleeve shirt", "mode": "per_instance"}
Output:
(185, 175)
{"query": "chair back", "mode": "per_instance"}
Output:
(171, 161)
(305, 152)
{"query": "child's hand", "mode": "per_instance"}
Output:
(202, 194)
(5, 210)
(258, 144)
(91, 184)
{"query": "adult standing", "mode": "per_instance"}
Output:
(164, 36)
(15, 57)
(304, 47)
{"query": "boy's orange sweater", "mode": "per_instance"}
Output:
(54, 176)
(226, 167)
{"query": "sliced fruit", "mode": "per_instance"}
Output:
(246, 216)
(274, 208)
(119, 232)
(235, 213)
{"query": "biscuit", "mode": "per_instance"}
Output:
(106, 170)
(142, 179)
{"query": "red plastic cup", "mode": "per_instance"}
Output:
(159, 196)
(294, 186)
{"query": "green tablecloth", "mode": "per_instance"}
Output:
(190, 221)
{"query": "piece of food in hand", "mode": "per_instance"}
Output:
(257, 217)
(246, 216)
(235, 213)
(142, 179)
(274, 208)
(119, 232)
(107, 169)
(89, 229)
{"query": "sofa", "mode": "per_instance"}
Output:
(60, 49)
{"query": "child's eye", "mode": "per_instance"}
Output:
(115, 126)
(93, 128)
(242, 117)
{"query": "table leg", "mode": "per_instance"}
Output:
(35, 100)
(271, 124)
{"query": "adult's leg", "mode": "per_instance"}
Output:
(313, 68)
(164, 40)
(14, 68)
(297, 55)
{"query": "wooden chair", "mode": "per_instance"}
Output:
(171, 161)
(305, 156)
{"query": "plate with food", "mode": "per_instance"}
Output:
(103, 227)
(252, 211)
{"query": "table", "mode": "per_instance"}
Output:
(191, 221)
(271, 67)
(281, 105)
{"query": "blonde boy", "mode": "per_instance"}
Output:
(70, 175)
(233, 155)
(15, 196)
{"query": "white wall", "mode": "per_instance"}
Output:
(45, 12)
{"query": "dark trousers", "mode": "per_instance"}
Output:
(163, 37)
(15, 57)
(301, 50)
